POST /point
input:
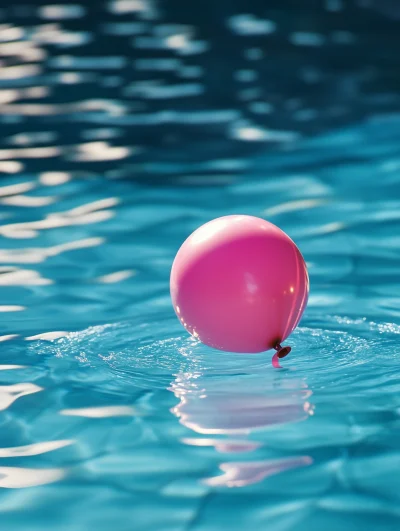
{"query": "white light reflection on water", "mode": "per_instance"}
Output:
(117, 276)
(213, 407)
(54, 178)
(10, 393)
(93, 212)
(34, 255)
(100, 412)
(47, 336)
(241, 474)
(8, 337)
(234, 409)
(11, 308)
(34, 449)
(13, 276)
(17, 188)
(28, 201)
(18, 478)
(55, 11)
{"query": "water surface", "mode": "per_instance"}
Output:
(119, 138)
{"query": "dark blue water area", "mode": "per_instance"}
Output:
(126, 125)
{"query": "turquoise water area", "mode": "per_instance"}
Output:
(113, 418)
(125, 125)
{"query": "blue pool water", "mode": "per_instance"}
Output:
(112, 417)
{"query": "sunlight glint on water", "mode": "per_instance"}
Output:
(112, 416)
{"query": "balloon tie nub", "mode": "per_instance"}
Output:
(281, 352)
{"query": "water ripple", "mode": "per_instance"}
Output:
(108, 161)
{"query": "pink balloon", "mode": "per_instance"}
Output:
(240, 284)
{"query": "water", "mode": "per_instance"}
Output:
(112, 417)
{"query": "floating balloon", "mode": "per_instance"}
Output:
(240, 284)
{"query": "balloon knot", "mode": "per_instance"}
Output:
(282, 352)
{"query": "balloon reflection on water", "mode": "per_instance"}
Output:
(226, 408)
